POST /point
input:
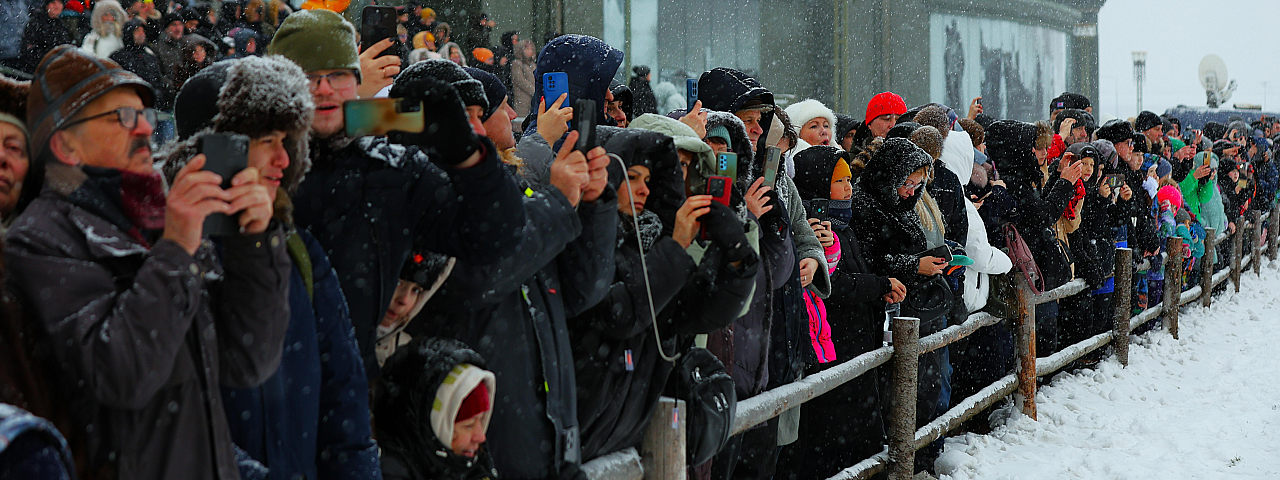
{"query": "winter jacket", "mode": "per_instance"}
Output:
(41, 34)
(1040, 202)
(105, 38)
(311, 418)
(885, 225)
(513, 313)
(169, 52)
(33, 449)
(948, 193)
(147, 335)
(522, 84)
(410, 393)
(1203, 199)
(369, 201)
(189, 67)
(619, 367)
(589, 63)
(140, 59)
(1268, 180)
(645, 102)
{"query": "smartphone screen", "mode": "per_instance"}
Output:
(377, 22)
(771, 166)
(727, 165)
(380, 116)
(226, 154)
(585, 116)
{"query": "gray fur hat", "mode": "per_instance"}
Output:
(252, 96)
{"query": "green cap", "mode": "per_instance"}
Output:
(317, 40)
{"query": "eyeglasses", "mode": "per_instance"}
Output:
(339, 80)
(127, 116)
(911, 186)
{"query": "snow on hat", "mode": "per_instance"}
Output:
(1163, 168)
(935, 116)
(454, 392)
(801, 113)
(928, 139)
(1183, 216)
(470, 89)
(1146, 121)
(1116, 131)
(494, 91)
(885, 103)
(317, 40)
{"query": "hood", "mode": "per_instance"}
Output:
(589, 63)
(1010, 145)
(814, 168)
(958, 153)
(888, 169)
(411, 384)
(126, 33)
(622, 93)
(101, 7)
(189, 43)
(728, 90)
(656, 151)
(251, 96)
(844, 124)
(741, 144)
(241, 36)
(445, 49)
(683, 136)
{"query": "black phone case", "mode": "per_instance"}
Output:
(226, 154)
(377, 23)
(585, 116)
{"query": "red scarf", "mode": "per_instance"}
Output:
(1074, 204)
(142, 199)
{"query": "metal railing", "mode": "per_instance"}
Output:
(662, 454)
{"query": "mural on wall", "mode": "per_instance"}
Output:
(1016, 69)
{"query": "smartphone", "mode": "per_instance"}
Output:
(377, 22)
(818, 209)
(941, 251)
(727, 165)
(585, 117)
(380, 116)
(226, 154)
(690, 93)
(555, 84)
(1114, 181)
(1242, 183)
(771, 165)
(719, 188)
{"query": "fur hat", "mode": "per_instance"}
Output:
(729, 90)
(801, 113)
(1116, 131)
(252, 96)
(927, 138)
(935, 116)
(1146, 121)
(13, 104)
(1069, 100)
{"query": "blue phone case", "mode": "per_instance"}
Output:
(691, 93)
(555, 84)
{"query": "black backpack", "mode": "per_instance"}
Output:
(710, 401)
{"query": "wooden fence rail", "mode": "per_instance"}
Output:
(664, 441)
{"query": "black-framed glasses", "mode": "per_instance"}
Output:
(338, 80)
(127, 116)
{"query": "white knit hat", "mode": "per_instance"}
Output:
(801, 113)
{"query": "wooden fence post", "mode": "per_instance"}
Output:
(1237, 244)
(1257, 242)
(1272, 233)
(663, 452)
(1120, 295)
(1172, 284)
(1207, 264)
(1024, 324)
(906, 377)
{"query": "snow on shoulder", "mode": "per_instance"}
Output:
(1203, 407)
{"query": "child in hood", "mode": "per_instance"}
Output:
(420, 278)
(432, 412)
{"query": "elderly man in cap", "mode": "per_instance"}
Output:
(145, 318)
(369, 200)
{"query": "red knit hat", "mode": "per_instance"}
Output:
(477, 402)
(883, 104)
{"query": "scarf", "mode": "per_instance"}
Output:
(650, 228)
(1073, 206)
(840, 212)
(133, 201)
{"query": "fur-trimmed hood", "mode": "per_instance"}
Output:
(252, 96)
(888, 168)
(741, 143)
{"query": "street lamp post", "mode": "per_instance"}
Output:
(1139, 73)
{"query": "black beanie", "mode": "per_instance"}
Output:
(1116, 131)
(196, 102)
(494, 90)
(1147, 120)
(470, 89)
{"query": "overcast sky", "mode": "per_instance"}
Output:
(1176, 34)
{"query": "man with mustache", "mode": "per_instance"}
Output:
(144, 318)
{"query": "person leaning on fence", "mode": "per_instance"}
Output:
(143, 357)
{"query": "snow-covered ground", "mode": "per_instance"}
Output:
(1206, 406)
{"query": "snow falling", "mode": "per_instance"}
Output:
(1206, 406)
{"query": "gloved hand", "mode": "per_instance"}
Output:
(446, 130)
(727, 232)
(773, 221)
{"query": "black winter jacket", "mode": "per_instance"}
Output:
(948, 192)
(885, 225)
(369, 201)
(514, 313)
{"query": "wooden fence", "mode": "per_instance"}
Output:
(662, 455)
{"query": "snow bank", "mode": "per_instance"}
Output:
(1203, 407)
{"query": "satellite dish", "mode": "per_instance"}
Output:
(1213, 77)
(1213, 72)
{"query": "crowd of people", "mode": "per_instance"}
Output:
(498, 295)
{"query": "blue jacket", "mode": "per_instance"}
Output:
(589, 63)
(32, 448)
(311, 418)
